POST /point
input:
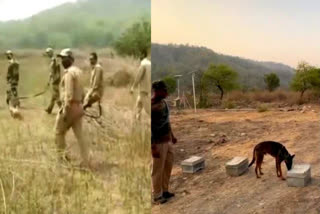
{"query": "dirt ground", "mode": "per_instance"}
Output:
(218, 136)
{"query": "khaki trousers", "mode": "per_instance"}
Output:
(66, 120)
(161, 169)
(55, 98)
(143, 102)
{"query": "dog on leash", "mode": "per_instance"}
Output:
(276, 150)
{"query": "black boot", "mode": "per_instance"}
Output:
(160, 200)
(167, 195)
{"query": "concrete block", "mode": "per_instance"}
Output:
(299, 175)
(192, 164)
(237, 166)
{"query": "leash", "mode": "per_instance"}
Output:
(34, 95)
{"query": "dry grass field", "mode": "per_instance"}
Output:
(33, 181)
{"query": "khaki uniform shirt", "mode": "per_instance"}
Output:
(96, 81)
(72, 86)
(143, 78)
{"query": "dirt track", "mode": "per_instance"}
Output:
(219, 136)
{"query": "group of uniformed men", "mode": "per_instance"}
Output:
(68, 93)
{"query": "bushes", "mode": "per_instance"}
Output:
(258, 98)
(228, 104)
(135, 41)
(121, 78)
(171, 84)
(262, 108)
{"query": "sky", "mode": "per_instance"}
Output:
(20, 9)
(286, 31)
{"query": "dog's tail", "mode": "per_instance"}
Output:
(253, 157)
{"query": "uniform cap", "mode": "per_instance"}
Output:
(9, 52)
(66, 53)
(49, 50)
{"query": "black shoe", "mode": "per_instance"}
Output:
(160, 200)
(167, 195)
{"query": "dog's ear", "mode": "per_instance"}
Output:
(292, 156)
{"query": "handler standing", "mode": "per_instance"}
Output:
(161, 136)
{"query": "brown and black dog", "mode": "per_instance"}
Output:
(276, 150)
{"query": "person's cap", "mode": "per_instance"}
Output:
(66, 53)
(9, 52)
(49, 50)
(158, 85)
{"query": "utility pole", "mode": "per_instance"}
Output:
(194, 93)
(178, 81)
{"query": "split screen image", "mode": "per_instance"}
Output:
(182, 107)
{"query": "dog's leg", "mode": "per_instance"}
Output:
(256, 170)
(281, 172)
(260, 169)
(277, 167)
(258, 165)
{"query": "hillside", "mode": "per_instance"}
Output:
(183, 59)
(84, 23)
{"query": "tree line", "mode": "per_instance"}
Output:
(94, 23)
(222, 78)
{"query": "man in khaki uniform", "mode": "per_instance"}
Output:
(143, 80)
(71, 112)
(96, 83)
(12, 81)
(54, 80)
(161, 136)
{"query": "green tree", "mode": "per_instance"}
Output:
(171, 84)
(305, 79)
(135, 41)
(222, 77)
(272, 81)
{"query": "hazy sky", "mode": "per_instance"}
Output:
(19, 9)
(286, 31)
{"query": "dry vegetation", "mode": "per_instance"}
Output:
(256, 99)
(33, 181)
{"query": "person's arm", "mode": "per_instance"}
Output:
(139, 77)
(9, 73)
(154, 151)
(17, 73)
(173, 138)
(69, 93)
(97, 79)
(52, 67)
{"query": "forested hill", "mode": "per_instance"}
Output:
(94, 23)
(182, 59)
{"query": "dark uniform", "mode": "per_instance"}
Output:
(12, 83)
(54, 80)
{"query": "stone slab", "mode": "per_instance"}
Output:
(237, 166)
(299, 175)
(193, 164)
